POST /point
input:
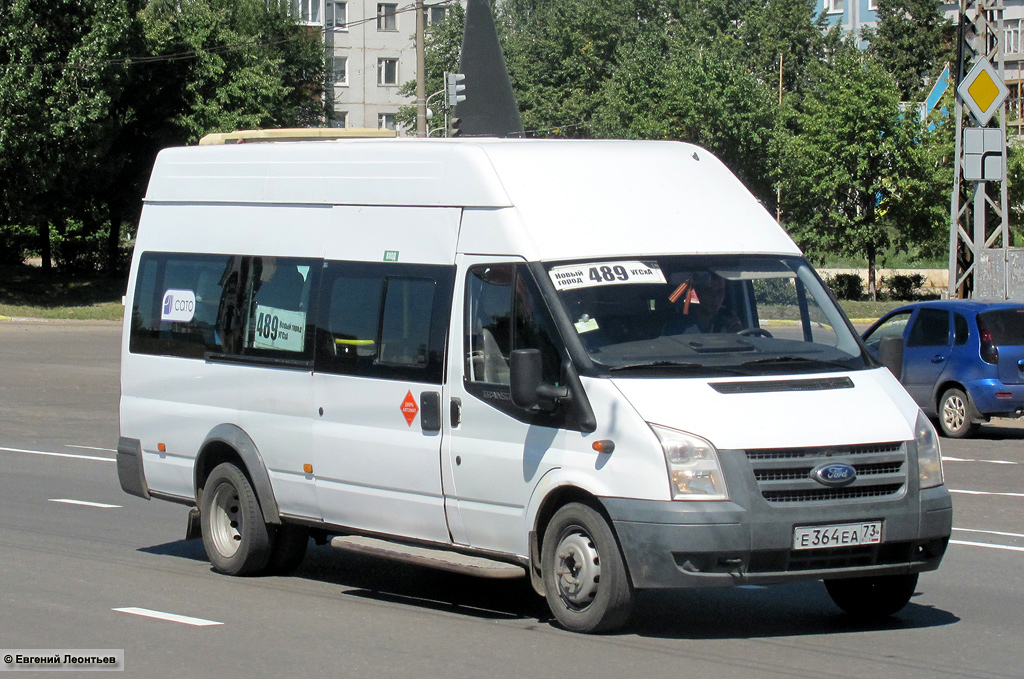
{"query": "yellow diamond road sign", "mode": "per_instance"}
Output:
(983, 91)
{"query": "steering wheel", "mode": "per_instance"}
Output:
(754, 332)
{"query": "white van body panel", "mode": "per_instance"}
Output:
(872, 411)
(361, 172)
(691, 203)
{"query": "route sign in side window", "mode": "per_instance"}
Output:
(384, 320)
(279, 324)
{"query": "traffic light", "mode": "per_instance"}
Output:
(453, 81)
(455, 123)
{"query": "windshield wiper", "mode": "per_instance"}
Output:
(676, 365)
(777, 360)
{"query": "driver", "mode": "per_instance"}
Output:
(699, 303)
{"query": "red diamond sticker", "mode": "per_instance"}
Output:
(409, 408)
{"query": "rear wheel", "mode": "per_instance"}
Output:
(585, 579)
(955, 415)
(235, 535)
(872, 597)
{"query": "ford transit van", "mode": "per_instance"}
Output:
(600, 365)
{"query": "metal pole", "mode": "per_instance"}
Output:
(421, 73)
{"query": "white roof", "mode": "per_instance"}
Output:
(574, 197)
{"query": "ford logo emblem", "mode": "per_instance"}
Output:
(834, 474)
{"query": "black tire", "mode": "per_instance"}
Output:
(872, 597)
(585, 580)
(288, 550)
(955, 415)
(236, 537)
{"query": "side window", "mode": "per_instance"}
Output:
(505, 311)
(384, 320)
(235, 306)
(930, 329)
(894, 326)
(960, 330)
(185, 305)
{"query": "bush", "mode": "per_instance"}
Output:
(847, 286)
(901, 287)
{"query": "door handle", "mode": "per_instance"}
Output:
(455, 412)
(938, 359)
(430, 411)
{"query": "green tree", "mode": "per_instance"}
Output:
(913, 41)
(90, 90)
(61, 75)
(443, 45)
(854, 172)
(705, 94)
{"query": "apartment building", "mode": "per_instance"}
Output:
(853, 15)
(371, 52)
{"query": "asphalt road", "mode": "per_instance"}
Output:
(66, 569)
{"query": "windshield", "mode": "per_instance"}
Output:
(705, 315)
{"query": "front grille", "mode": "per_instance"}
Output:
(784, 475)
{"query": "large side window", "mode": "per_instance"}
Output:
(930, 329)
(505, 311)
(233, 306)
(384, 320)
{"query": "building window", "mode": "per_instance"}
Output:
(339, 119)
(434, 14)
(339, 70)
(1012, 43)
(387, 17)
(835, 6)
(336, 15)
(873, 5)
(386, 121)
(306, 11)
(387, 71)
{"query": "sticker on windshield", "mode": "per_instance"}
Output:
(604, 273)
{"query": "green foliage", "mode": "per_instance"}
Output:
(443, 43)
(913, 41)
(902, 287)
(90, 90)
(849, 286)
(854, 172)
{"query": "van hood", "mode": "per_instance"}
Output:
(866, 406)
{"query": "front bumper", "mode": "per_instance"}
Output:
(686, 544)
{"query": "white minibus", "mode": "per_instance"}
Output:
(601, 365)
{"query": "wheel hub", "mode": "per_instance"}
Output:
(578, 569)
(226, 521)
(954, 413)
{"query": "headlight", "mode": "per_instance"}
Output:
(694, 472)
(929, 460)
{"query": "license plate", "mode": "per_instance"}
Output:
(838, 535)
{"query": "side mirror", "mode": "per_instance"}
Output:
(890, 354)
(528, 391)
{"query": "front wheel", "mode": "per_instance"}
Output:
(955, 415)
(235, 535)
(872, 597)
(585, 579)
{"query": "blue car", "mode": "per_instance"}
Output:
(963, 361)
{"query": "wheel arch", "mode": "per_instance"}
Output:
(947, 384)
(552, 494)
(229, 443)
